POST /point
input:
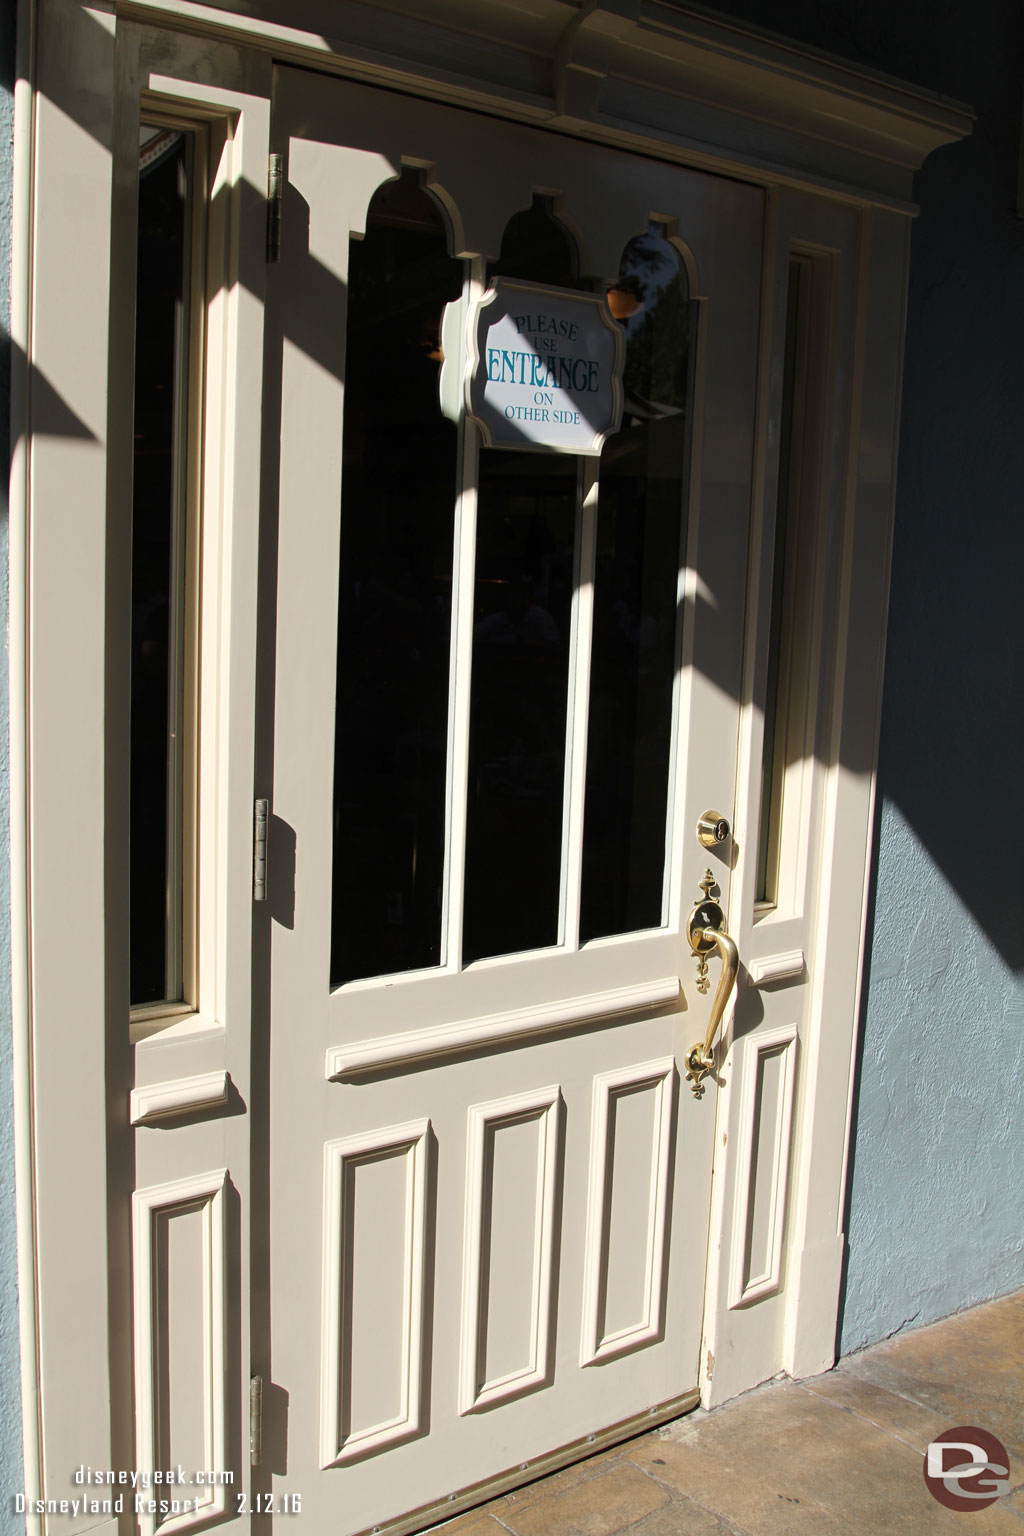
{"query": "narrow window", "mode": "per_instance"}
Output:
(784, 584)
(163, 597)
(395, 589)
(526, 534)
(640, 541)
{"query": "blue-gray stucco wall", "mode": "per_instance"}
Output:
(10, 1385)
(935, 1218)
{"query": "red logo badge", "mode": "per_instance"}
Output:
(967, 1469)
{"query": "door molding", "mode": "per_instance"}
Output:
(72, 1072)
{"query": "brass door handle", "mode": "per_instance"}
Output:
(706, 932)
(700, 1058)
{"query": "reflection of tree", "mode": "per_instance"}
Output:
(657, 352)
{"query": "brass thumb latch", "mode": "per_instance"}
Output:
(706, 932)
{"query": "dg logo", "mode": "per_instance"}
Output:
(967, 1468)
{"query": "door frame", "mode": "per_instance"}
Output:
(836, 151)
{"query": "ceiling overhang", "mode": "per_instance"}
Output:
(645, 73)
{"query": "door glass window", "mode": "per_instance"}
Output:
(535, 536)
(526, 534)
(394, 616)
(640, 530)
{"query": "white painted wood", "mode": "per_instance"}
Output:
(435, 1043)
(774, 1134)
(60, 539)
(206, 1329)
(75, 154)
(659, 1077)
(823, 1137)
(765, 969)
(516, 1026)
(542, 1110)
(179, 1096)
(461, 663)
(578, 712)
(408, 1143)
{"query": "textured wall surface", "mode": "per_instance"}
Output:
(10, 1386)
(936, 1202)
(936, 1216)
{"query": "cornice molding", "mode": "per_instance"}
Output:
(640, 73)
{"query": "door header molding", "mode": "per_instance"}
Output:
(645, 74)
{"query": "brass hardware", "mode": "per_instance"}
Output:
(705, 931)
(712, 829)
(706, 914)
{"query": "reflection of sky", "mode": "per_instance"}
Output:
(650, 262)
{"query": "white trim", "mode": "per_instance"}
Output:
(542, 1105)
(22, 266)
(411, 1140)
(518, 1024)
(178, 1096)
(771, 968)
(596, 1347)
(783, 1042)
(209, 1190)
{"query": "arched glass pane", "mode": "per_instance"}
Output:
(394, 618)
(526, 523)
(640, 544)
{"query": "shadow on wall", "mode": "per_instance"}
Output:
(936, 1186)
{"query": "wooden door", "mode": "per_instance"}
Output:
(499, 688)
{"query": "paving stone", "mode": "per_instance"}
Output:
(599, 1506)
(682, 1517)
(472, 1524)
(782, 1463)
(897, 1415)
(967, 1370)
(836, 1455)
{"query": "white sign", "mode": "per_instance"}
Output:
(544, 368)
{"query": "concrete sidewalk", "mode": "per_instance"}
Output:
(838, 1453)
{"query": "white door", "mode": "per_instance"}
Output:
(498, 687)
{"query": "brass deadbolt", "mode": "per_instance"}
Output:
(712, 830)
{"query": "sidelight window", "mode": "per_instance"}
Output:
(164, 583)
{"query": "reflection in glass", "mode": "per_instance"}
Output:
(641, 500)
(772, 760)
(536, 248)
(158, 578)
(526, 529)
(524, 572)
(394, 619)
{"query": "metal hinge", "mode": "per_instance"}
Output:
(255, 1420)
(259, 855)
(275, 195)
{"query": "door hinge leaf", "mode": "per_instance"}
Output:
(259, 857)
(255, 1420)
(275, 197)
